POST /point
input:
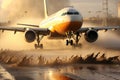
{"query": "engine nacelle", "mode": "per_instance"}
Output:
(30, 36)
(91, 36)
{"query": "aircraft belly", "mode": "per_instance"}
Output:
(64, 27)
(56, 35)
(58, 31)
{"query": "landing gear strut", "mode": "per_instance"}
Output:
(69, 40)
(76, 37)
(38, 45)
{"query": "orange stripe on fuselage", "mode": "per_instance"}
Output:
(62, 28)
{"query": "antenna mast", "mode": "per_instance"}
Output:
(105, 11)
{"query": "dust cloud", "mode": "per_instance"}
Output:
(106, 40)
(59, 59)
(109, 40)
(15, 10)
(24, 11)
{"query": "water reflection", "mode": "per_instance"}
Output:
(39, 73)
(71, 72)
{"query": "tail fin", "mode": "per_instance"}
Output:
(45, 9)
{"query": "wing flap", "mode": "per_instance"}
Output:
(20, 29)
(84, 29)
(41, 31)
(28, 25)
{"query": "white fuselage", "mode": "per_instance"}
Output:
(65, 20)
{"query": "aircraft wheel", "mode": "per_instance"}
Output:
(67, 42)
(41, 46)
(71, 42)
(38, 46)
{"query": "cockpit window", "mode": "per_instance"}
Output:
(70, 13)
(77, 13)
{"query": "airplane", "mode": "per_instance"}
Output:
(64, 24)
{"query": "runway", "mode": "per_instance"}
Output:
(71, 72)
(5, 75)
(23, 65)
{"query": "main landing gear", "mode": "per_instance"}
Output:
(38, 45)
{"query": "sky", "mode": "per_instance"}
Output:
(0, 1)
(95, 6)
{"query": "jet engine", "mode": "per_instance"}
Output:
(91, 36)
(30, 36)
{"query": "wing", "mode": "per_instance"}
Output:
(42, 31)
(19, 29)
(85, 29)
(28, 25)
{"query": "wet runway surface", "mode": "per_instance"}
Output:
(72, 72)
(5, 75)
(31, 70)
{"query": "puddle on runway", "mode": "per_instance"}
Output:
(71, 72)
(37, 73)
(77, 69)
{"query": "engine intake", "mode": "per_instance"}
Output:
(91, 36)
(30, 36)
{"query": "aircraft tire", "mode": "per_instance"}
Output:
(71, 42)
(67, 42)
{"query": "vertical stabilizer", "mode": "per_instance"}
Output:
(45, 9)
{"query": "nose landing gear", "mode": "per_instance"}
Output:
(69, 42)
(76, 37)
